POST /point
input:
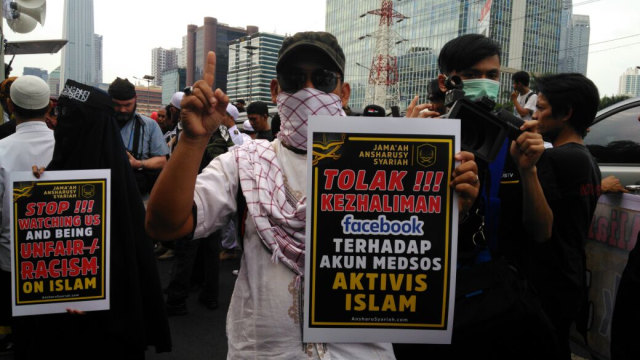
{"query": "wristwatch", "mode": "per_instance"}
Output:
(141, 165)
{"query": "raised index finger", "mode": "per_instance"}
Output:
(210, 69)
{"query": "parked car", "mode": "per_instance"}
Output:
(614, 140)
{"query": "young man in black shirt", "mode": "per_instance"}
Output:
(538, 209)
(258, 115)
(560, 188)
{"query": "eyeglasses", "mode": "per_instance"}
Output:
(323, 80)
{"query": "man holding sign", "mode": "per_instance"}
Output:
(32, 144)
(265, 313)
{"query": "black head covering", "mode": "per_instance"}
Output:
(88, 138)
(122, 89)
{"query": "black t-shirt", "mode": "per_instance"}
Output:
(570, 180)
(266, 135)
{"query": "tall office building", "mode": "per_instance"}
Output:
(41, 73)
(252, 66)
(573, 51)
(182, 54)
(528, 31)
(565, 33)
(97, 51)
(216, 37)
(78, 57)
(54, 82)
(161, 61)
(579, 44)
(630, 82)
(173, 80)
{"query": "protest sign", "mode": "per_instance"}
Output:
(60, 241)
(381, 225)
(612, 235)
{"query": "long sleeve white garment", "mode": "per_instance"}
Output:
(32, 144)
(264, 314)
(237, 136)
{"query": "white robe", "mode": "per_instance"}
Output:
(263, 318)
(32, 144)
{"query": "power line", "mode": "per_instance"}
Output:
(595, 43)
(606, 41)
(617, 47)
(443, 14)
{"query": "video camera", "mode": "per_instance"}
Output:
(483, 129)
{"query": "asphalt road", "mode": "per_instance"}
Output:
(200, 334)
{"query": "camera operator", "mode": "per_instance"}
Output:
(537, 204)
(476, 60)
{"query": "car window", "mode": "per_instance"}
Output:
(616, 139)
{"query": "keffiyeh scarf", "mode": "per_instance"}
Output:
(280, 217)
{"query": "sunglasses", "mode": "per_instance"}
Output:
(294, 80)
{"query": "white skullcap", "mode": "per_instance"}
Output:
(233, 111)
(176, 99)
(246, 126)
(30, 92)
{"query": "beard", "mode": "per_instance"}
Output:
(123, 117)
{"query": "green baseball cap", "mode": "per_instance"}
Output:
(309, 40)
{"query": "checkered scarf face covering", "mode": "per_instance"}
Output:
(295, 109)
(278, 216)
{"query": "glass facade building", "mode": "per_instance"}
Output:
(574, 41)
(252, 66)
(41, 73)
(565, 32)
(78, 56)
(528, 31)
(579, 43)
(173, 80)
(97, 50)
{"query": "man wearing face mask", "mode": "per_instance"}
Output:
(506, 208)
(272, 179)
(141, 135)
(265, 313)
(476, 60)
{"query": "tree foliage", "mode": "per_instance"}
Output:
(507, 106)
(608, 101)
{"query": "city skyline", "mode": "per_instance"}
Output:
(612, 43)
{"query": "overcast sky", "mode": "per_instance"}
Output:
(131, 28)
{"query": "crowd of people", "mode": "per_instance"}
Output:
(188, 184)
